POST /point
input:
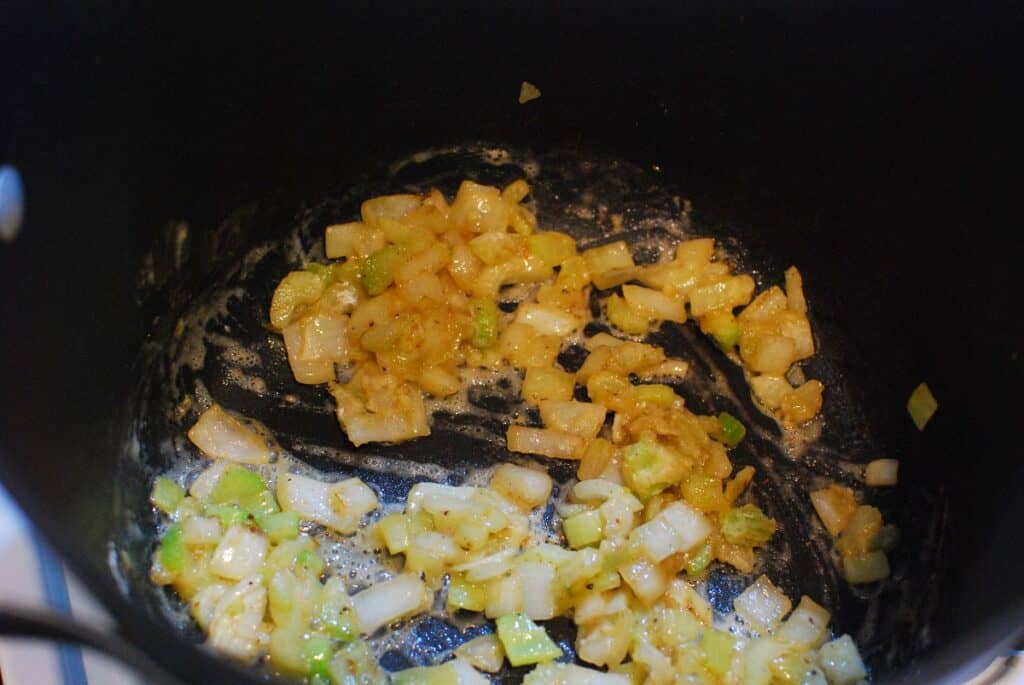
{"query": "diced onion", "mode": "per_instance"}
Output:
(222, 436)
(882, 472)
(240, 553)
(529, 488)
(338, 506)
(387, 602)
(550, 443)
(584, 419)
(762, 605)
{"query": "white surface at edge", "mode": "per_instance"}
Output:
(33, 663)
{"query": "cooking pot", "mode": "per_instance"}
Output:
(869, 145)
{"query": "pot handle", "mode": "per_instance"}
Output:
(29, 623)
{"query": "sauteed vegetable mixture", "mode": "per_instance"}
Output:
(409, 305)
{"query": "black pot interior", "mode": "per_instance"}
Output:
(864, 145)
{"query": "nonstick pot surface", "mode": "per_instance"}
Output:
(869, 146)
(221, 348)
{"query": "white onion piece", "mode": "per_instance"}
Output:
(571, 674)
(222, 436)
(202, 487)
(762, 605)
(528, 488)
(387, 602)
(807, 626)
(547, 320)
(584, 419)
(654, 304)
(677, 528)
(539, 580)
(240, 553)
(200, 530)
(204, 604)
(338, 506)
(841, 661)
(882, 472)
(237, 627)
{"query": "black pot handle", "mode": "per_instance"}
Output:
(29, 623)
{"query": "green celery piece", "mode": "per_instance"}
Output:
(350, 272)
(324, 271)
(166, 495)
(317, 652)
(584, 529)
(246, 489)
(228, 514)
(733, 431)
(236, 485)
(262, 504)
(379, 269)
(648, 468)
(723, 327)
(871, 567)
(310, 561)
(747, 525)
(281, 525)
(172, 550)
(524, 641)
(698, 562)
(485, 323)
(718, 650)
(886, 539)
(463, 594)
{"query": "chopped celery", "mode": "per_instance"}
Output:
(262, 504)
(524, 641)
(718, 650)
(322, 270)
(379, 268)
(732, 430)
(648, 468)
(350, 272)
(698, 561)
(172, 550)
(485, 323)
(281, 525)
(747, 525)
(584, 529)
(237, 485)
(623, 317)
(166, 495)
(656, 393)
(463, 594)
(309, 561)
(228, 514)
(886, 539)
(922, 406)
(385, 336)
(869, 568)
(317, 652)
(722, 326)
